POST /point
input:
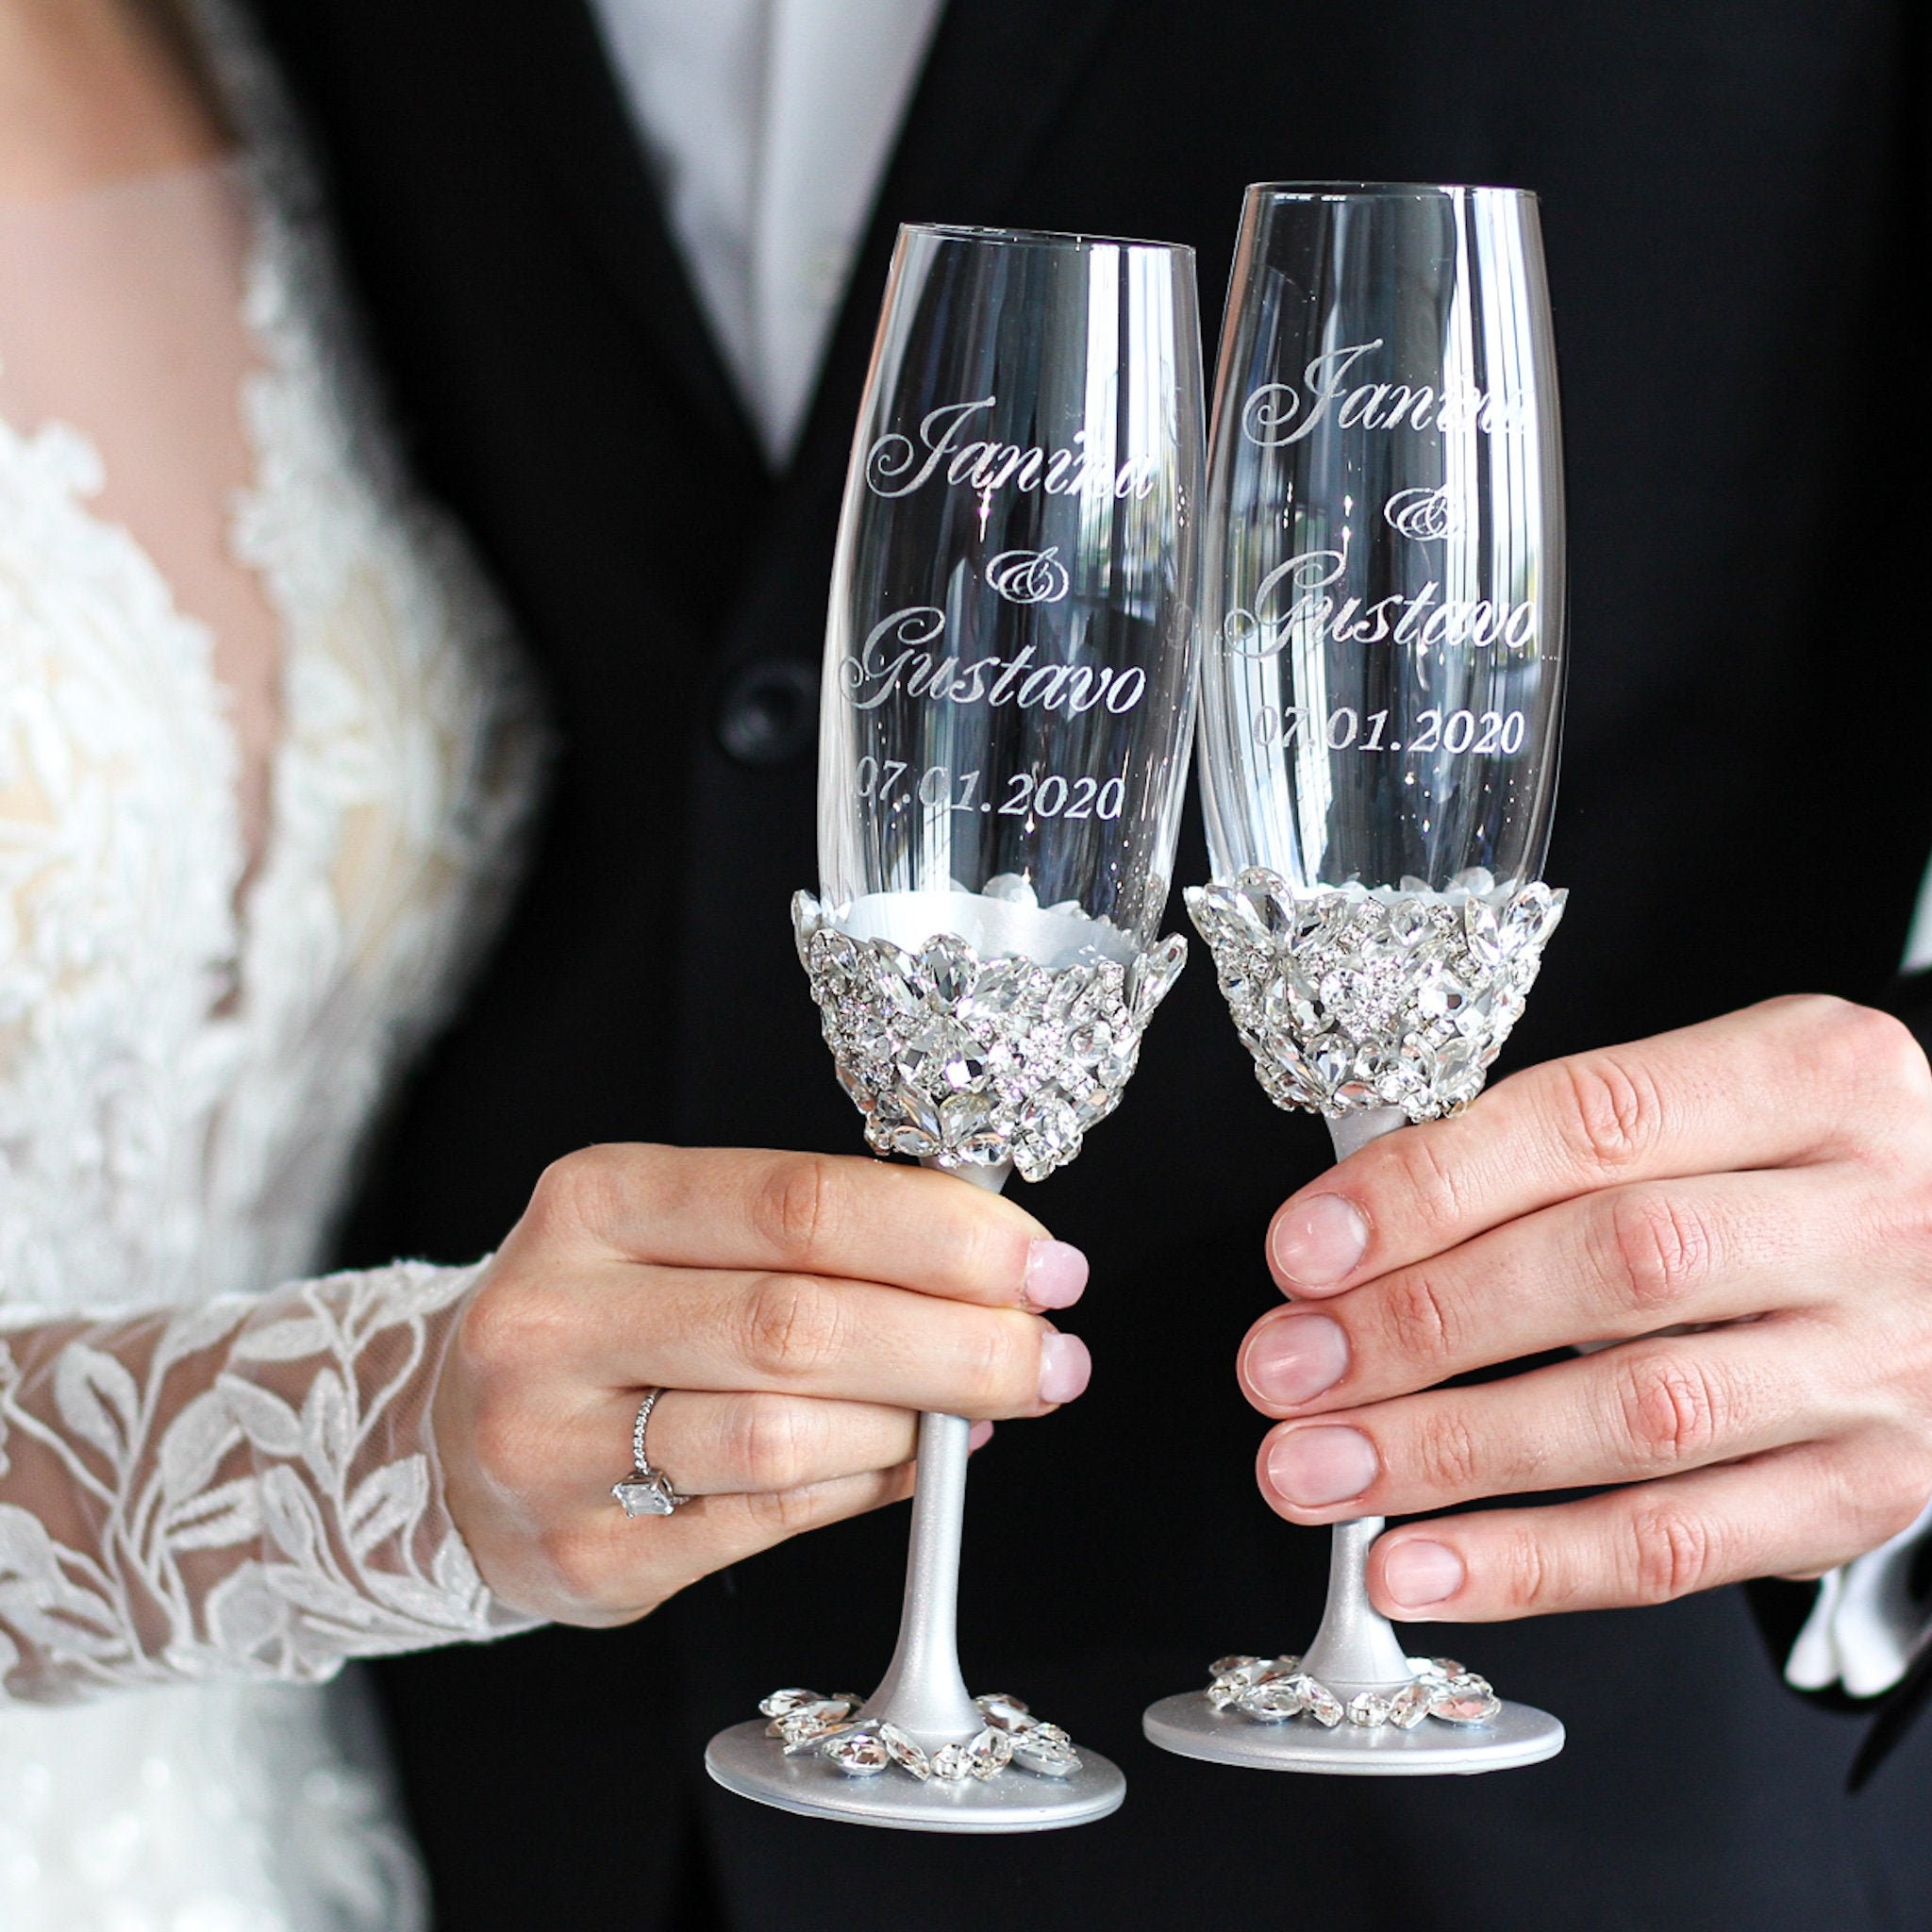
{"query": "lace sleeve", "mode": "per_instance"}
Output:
(247, 1489)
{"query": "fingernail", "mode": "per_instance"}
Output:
(1296, 1358)
(1417, 1572)
(1311, 1467)
(1056, 1275)
(981, 1436)
(1064, 1367)
(1318, 1243)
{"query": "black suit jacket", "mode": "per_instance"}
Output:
(1732, 194)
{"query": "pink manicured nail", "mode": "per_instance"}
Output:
(1056, 1275)
(981, 1436)
(1418, 1572)
(1315, 1244)
(1064, 1367)
(1312, 1468)
(1293, 1360)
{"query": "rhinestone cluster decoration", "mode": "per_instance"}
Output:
(978, 1061)
(1012, 1739)
(1270, 1692)
(1349, 998)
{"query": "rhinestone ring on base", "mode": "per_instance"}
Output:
(645, 1492)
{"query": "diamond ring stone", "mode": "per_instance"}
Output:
(645, 1492)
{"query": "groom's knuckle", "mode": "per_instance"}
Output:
(1895, 1507)
(1902, 1218)
(1888, 1053)
(1884, 1484)
(552, 1199)
(1674, 1409)
(1609, 1111)
(1850, 1036)
(1420, 1311)
(1672, 1552)
(1448, 1451)
(1521, 1572)
(1660, 1249)
(1430, 1185)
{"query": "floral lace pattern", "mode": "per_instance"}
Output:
(250, 1488)
(209, 1493)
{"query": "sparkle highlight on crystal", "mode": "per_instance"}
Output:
(974, 1062)
(1349, 998)
(1267, 1692)
(837, 1729)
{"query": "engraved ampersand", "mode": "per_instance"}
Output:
(1422, 513)
(1029, 576)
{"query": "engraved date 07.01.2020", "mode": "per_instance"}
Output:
(892, 783)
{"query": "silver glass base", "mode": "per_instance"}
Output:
(748, 1761)
(1189, 1725)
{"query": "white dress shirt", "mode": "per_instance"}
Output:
(1865, 1629)
(769, 125)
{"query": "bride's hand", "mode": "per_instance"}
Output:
(798, 1310)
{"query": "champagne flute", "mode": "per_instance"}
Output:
(1383, 615)
(1006, 717)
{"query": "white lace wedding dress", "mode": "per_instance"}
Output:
(214, 1489)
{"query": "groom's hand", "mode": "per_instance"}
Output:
(798, 1310)
(1769, 1173)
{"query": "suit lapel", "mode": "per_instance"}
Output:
(969, 133)
(563, 102)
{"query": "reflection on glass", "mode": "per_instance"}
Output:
(1008, 678)
(1386, 595)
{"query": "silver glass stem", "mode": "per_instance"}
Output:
(1356, 1647)
(1349, 1133)
(923, 1691)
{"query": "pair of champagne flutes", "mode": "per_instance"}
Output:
(1037, 573)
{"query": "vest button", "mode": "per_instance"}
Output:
(770, 711)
